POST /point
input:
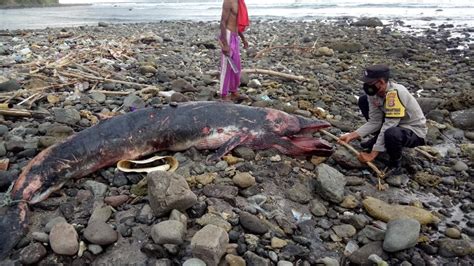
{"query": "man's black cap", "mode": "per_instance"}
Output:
(375, 72)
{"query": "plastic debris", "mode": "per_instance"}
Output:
(300, 217)
(378, 260)
(350, 248)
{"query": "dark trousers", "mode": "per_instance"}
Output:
(395, 137)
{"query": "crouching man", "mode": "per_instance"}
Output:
(393, 115)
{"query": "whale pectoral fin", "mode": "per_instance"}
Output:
(227, 147)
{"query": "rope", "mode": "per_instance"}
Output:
(7, 200)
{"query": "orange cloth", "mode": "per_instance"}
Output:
(242, 16)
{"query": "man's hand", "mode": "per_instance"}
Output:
(246, 44)
(367, 157)
(346, 138)
(225, 49)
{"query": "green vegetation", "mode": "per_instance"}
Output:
(27, 3)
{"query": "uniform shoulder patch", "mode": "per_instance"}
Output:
(393, 106)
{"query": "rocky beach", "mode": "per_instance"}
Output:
(252, 207)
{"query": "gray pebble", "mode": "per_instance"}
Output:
(33, 253)
(3, 149)
(52, 222)
(100, 233)
(3, 130)
(460, 166)
(95, 249)
(40, 237)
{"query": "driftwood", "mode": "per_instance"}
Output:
(274, 73)
(21, 113)
(83, 63)
(14, 95)
(89, 77)
(426, 154)
(266, 72)
(84, 68)
(30, 100)
(119, 93)
(56, 64)
(380, 174)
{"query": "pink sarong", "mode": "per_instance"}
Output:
(230, 80)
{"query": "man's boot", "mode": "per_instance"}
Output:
(394, 168)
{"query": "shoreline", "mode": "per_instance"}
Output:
(41, 6)
(86, 73)
(403, 26)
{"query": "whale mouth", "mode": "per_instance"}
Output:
(302, 142)
(311, 125)
(303, 146)
(307, 145)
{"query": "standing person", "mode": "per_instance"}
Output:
(393, 114)
(234, 20)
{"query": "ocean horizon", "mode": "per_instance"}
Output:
(420, 13)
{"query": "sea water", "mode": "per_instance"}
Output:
(419, 13)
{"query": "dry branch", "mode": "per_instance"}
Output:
(274, 73)
(56, 64)
(85, 76)
(34, 97)
(119, 93)
(54, 86)
(84, 68)
(15, 94)
(21, 113)
(426, 154)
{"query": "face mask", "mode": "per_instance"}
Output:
(370, 90)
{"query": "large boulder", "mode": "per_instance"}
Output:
(361, 256)
(330, 183)
(349, 47)
(100, 233)
(125, 252)
(209, 244)
(66, 116)
(168, 232)
(9, 85)
(168, 191)
(463, 119)
(401, 234)
(455, 247)
(346, 159)
(252, 223)
(63, 239)
(428, 104)
(368, 22)
(388, 212)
